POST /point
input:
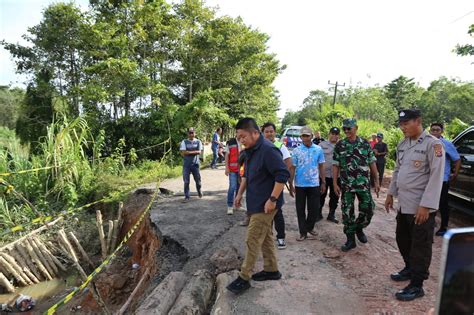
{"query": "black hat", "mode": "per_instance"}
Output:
(407, 114)
(335, 130)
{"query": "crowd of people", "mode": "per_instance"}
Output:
(259, 167)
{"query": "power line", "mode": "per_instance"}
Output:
(459, 18)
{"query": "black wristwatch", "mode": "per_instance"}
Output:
(273, 199)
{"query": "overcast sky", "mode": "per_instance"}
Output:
(365, 42)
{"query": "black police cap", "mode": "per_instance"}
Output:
(407, 114)
(335, 130)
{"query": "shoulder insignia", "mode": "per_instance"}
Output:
(438, 148)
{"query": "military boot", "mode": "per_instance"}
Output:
(350, 244)
(361, 236)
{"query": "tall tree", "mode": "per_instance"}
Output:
(10, 103)
(402, 92)
(37, 110)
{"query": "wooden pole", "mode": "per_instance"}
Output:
(11, 270)
(37, 260)
(116, 232)
(134, 292)
(67, 246)
(72, 255)
(109, 236)
(17, 267)
(24, 266)
(81, 249)
(45, 254)
(21, 239)
(53, 258)
(6, 284)
(117, 227)
(23, 253)
(40, 255)
(100, 227)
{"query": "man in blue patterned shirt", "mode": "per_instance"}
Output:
(308, 167)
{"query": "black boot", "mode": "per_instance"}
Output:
(332, 216)
(361, 236)
(350, 244)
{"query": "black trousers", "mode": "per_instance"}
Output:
(279, 221)
(415, 245)
(380, 170)
(443, 205)
(310, 195)
(333, 198)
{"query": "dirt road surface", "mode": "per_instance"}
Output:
(317, 277)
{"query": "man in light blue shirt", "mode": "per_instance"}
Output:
(307, 168)
(452, 156)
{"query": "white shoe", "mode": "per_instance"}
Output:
(230, 210)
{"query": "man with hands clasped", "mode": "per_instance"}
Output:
(416, 181)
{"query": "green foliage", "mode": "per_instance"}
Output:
(10, 103)
(79, 171)
(131, 66)
(372, 104)
(447, 99)
(455, 127)
(402, 93)
(467, 49)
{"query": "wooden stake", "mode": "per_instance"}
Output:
(11, 270)
(53, 258)
(6, 284)
(17, 267)
(100, 227)
(42, 257)
(134, 292)
(72, 256)
(21, 239)
(117, 227)
(37, 260)
(23, 253)
(24, 266)
(68, 247)
(45, 254)
(109, 236)
(116, 232)
(81, 249)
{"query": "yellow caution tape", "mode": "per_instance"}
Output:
(30, 170)
(107, 261)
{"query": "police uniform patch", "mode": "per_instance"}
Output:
(417, 164)
(438, 148)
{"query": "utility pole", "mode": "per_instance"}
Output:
(335, 90)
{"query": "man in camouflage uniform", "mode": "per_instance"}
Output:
(353, 157)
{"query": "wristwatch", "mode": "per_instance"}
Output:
(273, 199)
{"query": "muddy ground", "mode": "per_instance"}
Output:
(317, 277)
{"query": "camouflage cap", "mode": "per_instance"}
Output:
(349, 122)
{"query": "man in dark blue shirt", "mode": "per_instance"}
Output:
(191, 149)
(264, 179)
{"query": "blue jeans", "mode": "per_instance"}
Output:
(187, 171)
(214, 156)
(233, 188)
